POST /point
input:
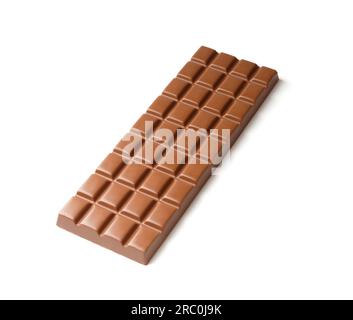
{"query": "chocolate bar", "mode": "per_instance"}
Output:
(142, 188)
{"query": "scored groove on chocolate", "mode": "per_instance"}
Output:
(131, 208)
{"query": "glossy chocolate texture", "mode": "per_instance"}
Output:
(131, 208)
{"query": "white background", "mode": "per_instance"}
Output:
(277, 220)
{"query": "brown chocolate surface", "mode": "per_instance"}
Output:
(130, 208)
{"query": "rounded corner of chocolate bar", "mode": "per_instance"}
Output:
(276, 77)
(64, 222)
(58, 221)
(145, 261)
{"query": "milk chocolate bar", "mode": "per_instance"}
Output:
(136, 195)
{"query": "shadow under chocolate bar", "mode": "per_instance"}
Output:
(130, 206)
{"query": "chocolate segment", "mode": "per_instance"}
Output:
(131, 207)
